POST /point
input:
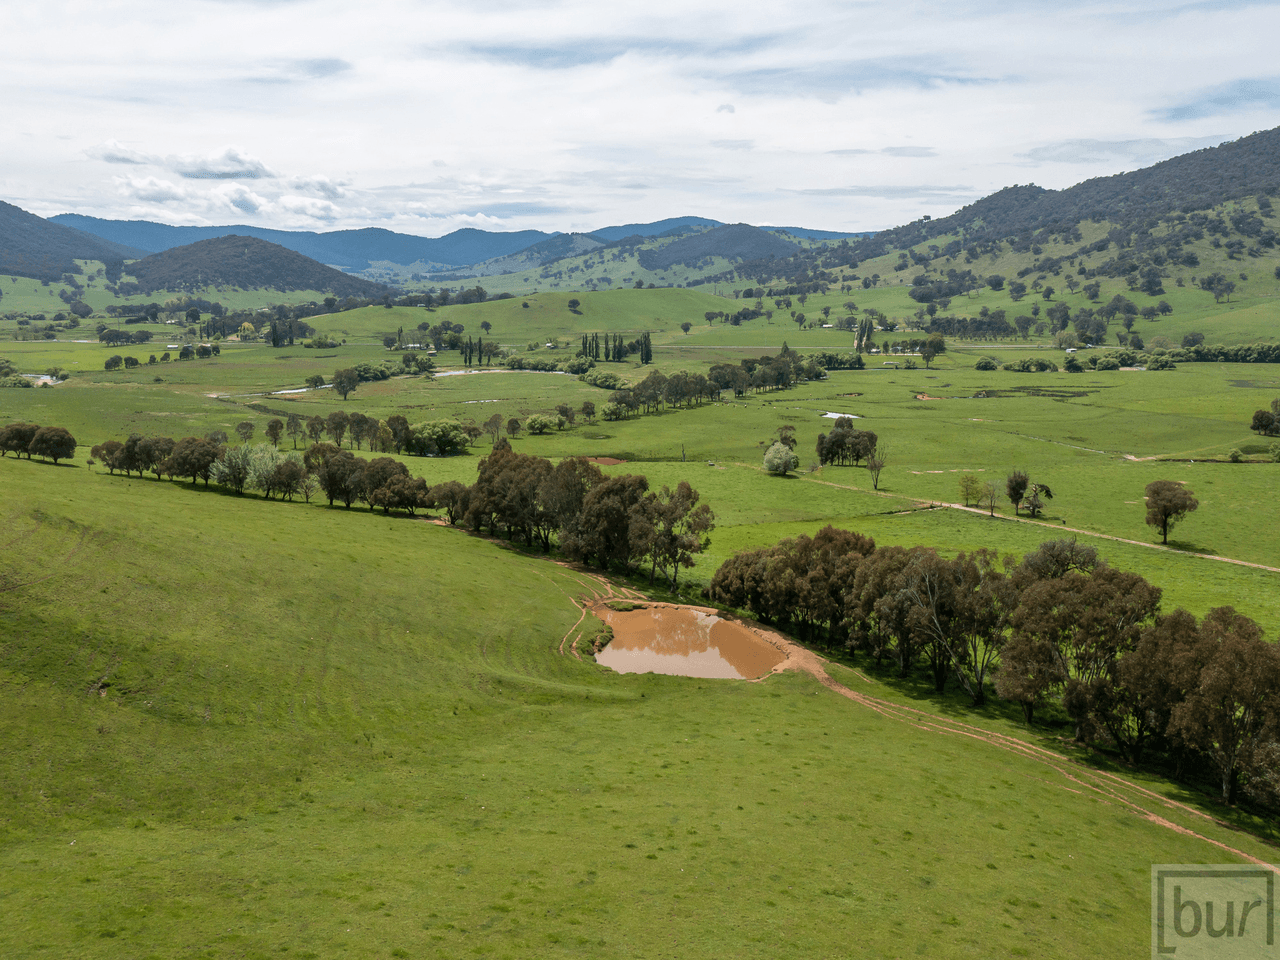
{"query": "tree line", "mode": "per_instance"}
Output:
(48, 443)
(614, 521)
(1060, 628)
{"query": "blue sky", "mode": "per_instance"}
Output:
(424, 117)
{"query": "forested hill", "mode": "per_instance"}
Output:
(247, 263)
(738, 241)
(31, 246)
(1194, 181)
(349, 249)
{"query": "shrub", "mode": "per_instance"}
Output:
(779, 459)
(540, 423)
(603, 379)
(1032, 365)
(986, 363)
(1235, 456)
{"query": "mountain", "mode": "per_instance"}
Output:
(1194, 181)
(31, 246)
(244, 262)
(348, 249)
(739, 241)
(540, 254)
(654, 229)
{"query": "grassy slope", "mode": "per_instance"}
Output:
(338, 734)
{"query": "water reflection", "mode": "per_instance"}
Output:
(684, 642)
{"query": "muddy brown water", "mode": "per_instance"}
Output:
(684, 642)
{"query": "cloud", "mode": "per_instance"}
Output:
(329, 189)
(725, 108)
(307, 207)
(733, 144)
(1145, 150)
(239, 197)
(909, 152)
(1245, 94)
(326, 67)
(517, 208)
(828, 79)
(232, 164)
(887, 151)
(150, 190)
(889, 192)
(113, 151)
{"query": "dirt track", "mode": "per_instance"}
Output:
(1068, 774)
(1063, 772)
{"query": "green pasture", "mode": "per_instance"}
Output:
(236, 728)
(1097, 439)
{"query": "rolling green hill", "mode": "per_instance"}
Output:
(359, 737)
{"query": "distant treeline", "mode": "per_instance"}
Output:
(1062, 627)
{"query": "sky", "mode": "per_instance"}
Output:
(424, 117)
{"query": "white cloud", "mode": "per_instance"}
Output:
(534, 114)
(231, 164)
(150, 190)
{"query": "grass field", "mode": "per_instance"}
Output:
(325, 733)
(240, 728)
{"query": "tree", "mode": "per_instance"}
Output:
(336, 426)
(603, 532)
(970, 488)
(875, 463)
(360, 427)
(16, 439)
(1168, 502)
(437, 438)
(686, 327)
(315, 381)
(244, 430)
(341, 476)
(540, 423)
(588, 411)
(669, 528)
(989, 496)
(399, 427)
(1016, 488)
(1230, 711)
(574, 305)
(1035, 499)
(192, 457)
(779, 460)
(275, 430)
(295, 428)
(316, 427)
(513, 427)
(493, 427)
(232, 469)
(345, 381)
(52, 443)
